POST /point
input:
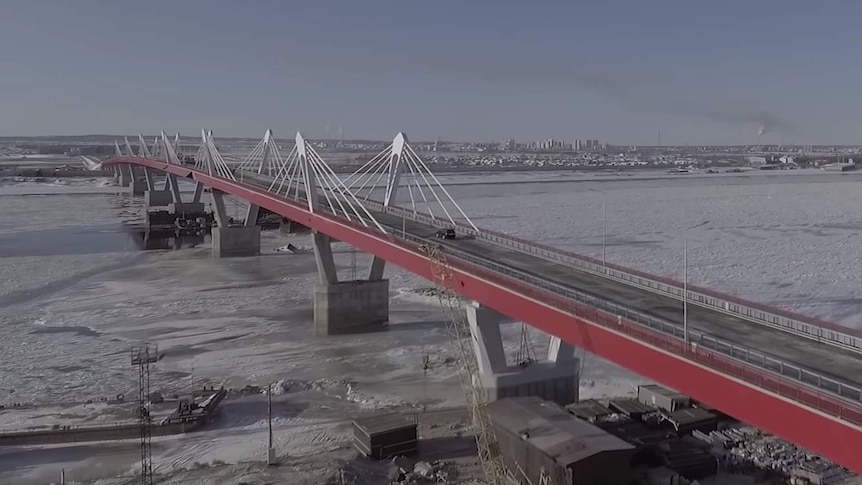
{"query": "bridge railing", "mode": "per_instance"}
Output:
(790, 322)
(801, 385)
(754, 368)
(704, 340)
(809, 388)
(811, 328)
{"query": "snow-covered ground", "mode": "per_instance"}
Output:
(75, 294)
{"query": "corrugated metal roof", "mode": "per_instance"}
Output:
(589, 409)
(630, 407)
(689, 416)
(552, 430)
(382, 423)
(663, 391)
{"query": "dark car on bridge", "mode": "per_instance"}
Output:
(446, 234)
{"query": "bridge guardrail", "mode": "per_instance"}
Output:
(811, 389)
(810, 328)
(704, 340)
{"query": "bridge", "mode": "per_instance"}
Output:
(793, 376)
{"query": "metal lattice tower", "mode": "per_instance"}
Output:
(461, 339)
(142, 357)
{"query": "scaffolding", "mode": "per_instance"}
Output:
(142, 357)
(462, 341)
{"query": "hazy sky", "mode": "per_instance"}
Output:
(701, 71)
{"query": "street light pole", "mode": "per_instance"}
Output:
(685, 289)
(604, 234)
(270, 451)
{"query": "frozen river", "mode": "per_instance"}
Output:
(76, 293)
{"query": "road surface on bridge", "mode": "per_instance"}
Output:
(842, 366)
(748, 380)
(823, 359)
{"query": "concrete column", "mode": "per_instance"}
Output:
(349, 307)
(173, 187)
(150, 178)
(556, 379)
(378, 265)
(291, 227)
(485, 328)
(325, 262)
(219, 210)
(125, 175)
(137, 180)
(157, 198)
(231, 242)
(345, 307)
(199, 190)
(251, 215)
(138, 186)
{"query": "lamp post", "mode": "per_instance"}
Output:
(270, 451)
(685, 279)
(604, 234)
(685, 289)
(604, 227)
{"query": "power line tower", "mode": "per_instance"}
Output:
(142, 357)
(462, 340)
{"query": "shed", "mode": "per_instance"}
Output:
(589, 410)
(662, 397)
(630, 407)
(688, 419)
(536, 435)
(385, 436)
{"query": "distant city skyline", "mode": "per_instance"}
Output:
(720, 73)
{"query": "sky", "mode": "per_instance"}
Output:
(700, 72)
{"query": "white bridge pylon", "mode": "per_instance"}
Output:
(304, 175)
(425, 192)
(208, 159)
(265, 158)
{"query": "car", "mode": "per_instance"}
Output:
(446, 234)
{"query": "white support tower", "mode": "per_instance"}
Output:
(425, 193)
(143, 151)
(156, 151)
(208, 158)
(264, 159)
(305, 176)
(128, 146)
(168, 149)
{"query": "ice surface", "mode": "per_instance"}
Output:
(67, 319)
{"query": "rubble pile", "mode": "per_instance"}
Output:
(423, 472)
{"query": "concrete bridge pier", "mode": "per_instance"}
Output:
(137, 180)
(556, 379)
(169, 200)
(286, 226)
(347, 307)
(234, 240)
(124, 175)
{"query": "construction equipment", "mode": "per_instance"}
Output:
(462, 341)
(142, 357)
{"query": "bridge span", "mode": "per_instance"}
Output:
(797, 379)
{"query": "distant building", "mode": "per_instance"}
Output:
(756, 161)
